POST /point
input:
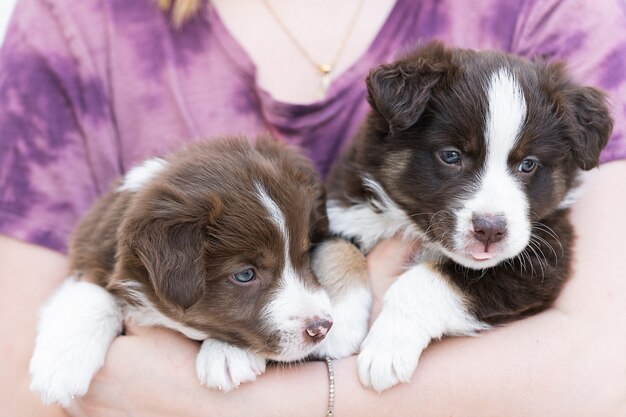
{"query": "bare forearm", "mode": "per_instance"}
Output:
(27, 276)
(526, 369)
(566, 361)
(537, 367)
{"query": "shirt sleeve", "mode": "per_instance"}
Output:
(57, 140)
(590, 36)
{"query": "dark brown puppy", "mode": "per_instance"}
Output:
(477, 155)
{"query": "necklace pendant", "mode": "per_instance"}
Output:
(325, 69)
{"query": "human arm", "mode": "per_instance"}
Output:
(28, 275)
(567, 360)
(47, 108)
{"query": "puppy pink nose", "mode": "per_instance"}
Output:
(489, 229)
(317, 328)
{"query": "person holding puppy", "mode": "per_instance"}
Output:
(89, 88)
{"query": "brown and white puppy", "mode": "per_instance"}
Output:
(476, 155)
(213, 241)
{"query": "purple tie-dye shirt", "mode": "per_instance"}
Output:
(89, 88)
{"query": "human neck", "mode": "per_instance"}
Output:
(319, 26)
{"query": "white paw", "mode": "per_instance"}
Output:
(387, 358)
(57, 378)
(223, 366)
(75, 331)
(350, 325)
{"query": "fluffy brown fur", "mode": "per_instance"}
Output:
(179, 239)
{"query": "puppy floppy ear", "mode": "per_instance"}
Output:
(168, 237)
(400, 91)
(592, 125)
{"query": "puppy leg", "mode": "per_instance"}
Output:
(342, 270)
(419, 306)
(76, 328)
(223, 366)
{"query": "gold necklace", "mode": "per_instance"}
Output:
(325, 70)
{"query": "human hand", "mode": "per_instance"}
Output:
(149, 371)
(385, 263)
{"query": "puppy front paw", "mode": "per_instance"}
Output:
(62, 368)
(342, 270)
(57, 379)
(387, 359)
(75, 330)
(223, 366)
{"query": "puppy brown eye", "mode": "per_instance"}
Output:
(528, 165)
(450, 157)
(244, 276)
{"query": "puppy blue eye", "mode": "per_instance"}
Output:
(245, 276)
(527, 166)
(450, 157)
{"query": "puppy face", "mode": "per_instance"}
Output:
(218, 242)
(478, 147)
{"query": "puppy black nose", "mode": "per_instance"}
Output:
(316, 329)
(489, 229)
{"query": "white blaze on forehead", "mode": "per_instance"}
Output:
(276, 215)
(278, 218)
(498, 191)
(294, 302)
(140, 175)
(506, 115)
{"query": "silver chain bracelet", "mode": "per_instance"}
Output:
(331, 387)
